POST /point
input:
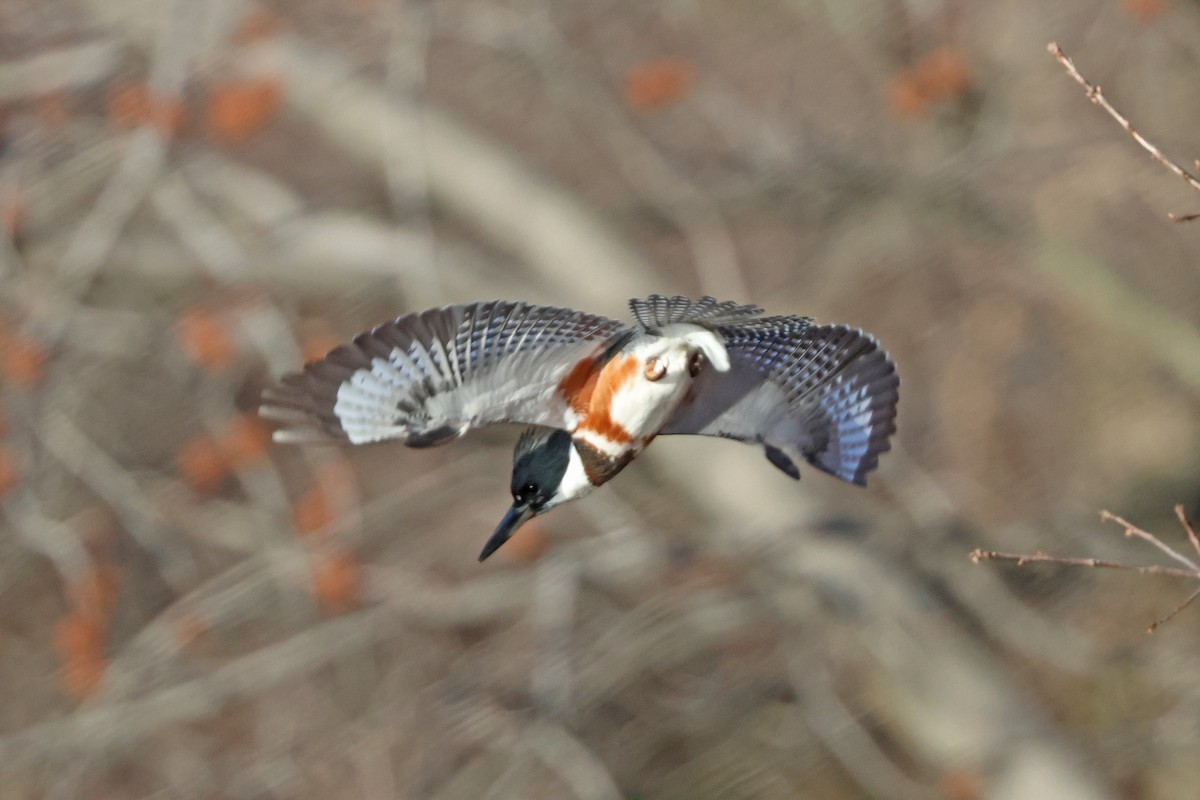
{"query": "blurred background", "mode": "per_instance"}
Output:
(199, 195)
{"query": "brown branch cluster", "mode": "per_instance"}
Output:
(1190, 567)
(1097, 96)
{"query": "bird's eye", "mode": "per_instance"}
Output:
(695, 363)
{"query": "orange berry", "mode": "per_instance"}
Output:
(940, 74)
(166, 114)
(312, 513)
(191, 627)
(331, 492)
(244, 442)
(95, 594)
(128, 104)
(21, 360)
(204, 339)
(237, 110)
(961, 784)
(943, 73)
(14, 216)
(79, 639)
(79, 635)
(248, 298)
(81, 677)
(906, 96)
(132, 104)
(202, 464)
(1145, 11)
(53, 110)
(656, 84)
(8, 471)
(260, 24)
(337, 582)
(76, 632)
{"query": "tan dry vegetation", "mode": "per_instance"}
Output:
(200, 196)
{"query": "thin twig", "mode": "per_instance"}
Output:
(1022, 559)
(1133, 530)
(1096, 96)
(1192, 571)
(58, 68)
(571, 760)
(98, 232)
(1154, 625)
(1187, 526)
(56, 540)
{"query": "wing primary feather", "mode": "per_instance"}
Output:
(512, 324)
(525, 332)
(827, 394)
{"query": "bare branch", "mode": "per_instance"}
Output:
(120, 489)
(1133, 530)
(1022, 559)
(65, 67)
(571, 760)
(1192, 571)
(1154, 625)
(1187, 526)
(1096, 96)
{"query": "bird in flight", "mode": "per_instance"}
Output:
(598, 391)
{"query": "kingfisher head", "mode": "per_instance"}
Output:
(547, 471)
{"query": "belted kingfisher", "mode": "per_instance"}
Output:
(599, 391)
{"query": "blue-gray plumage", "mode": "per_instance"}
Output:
(600, 391)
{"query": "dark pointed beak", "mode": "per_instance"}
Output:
(515, 518)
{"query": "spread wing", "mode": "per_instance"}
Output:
(826, 394)
(426, 378)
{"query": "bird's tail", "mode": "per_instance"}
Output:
(657, 311)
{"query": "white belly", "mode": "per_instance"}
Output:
(631, 403)
(643, 405)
